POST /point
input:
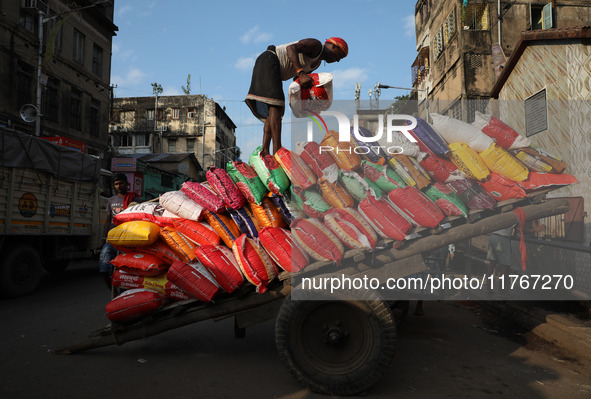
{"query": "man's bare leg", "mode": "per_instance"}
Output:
(272, 130)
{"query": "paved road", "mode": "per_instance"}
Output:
(456, 350)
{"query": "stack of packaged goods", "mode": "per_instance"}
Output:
(251, 220)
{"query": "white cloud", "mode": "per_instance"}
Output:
(346, 78)
(409, 25)
(133, 77)
(245, 63)
(171, 92)
(124, 10)
(254, 35)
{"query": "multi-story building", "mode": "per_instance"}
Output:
(67, 78)
(462, 46)
(173, 124)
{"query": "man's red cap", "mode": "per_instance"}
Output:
(340, 43)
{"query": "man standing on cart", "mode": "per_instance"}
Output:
(287, 61)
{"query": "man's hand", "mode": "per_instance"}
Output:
(306, 82)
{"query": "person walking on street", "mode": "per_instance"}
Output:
(117, 203)
(287, 61)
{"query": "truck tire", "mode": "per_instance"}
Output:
(336, 347)
(20, 271)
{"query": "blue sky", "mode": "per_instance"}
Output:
(217, 42)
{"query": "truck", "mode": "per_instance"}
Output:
(338, 343)
(51, 210)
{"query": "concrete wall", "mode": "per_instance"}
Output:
(563, 68)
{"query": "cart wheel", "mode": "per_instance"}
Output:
(336, 347)
(20, 271)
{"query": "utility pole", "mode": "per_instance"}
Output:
(39, 71)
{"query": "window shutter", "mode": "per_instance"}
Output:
(547, 16)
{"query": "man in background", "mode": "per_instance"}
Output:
(116, 204)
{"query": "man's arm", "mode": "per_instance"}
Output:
(310, 48)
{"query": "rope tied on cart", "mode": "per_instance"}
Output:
(522, 248)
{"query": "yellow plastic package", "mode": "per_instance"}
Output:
(343, 152)
(468, 161)
(503, 163)
(134, 233)
(410, 170)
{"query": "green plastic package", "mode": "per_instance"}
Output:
(247, 181)
(446, 199)
(269, 171)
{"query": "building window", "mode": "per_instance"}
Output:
(438, 45)
(76, 110)
(536, 113)
(25, 88)
(476, 104)
(97, 60)
(176, 113)
(126, 140)
(150, 114)
(161, 115)
(475, 61)
(190, 145)
(171, 145)
(28, 22)
(141, 140)
(78, 47)
(52, 35)
(116, 116)
(191, 113)
(449, 28)
(95, 120)
(476, 17)
(455, 111)
(51, 111)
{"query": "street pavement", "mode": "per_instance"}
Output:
(457, 349)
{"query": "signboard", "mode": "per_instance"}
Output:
(67, 142)
(123, 165)
(536, 114)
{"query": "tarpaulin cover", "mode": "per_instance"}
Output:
(21, 150)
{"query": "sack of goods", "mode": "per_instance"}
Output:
(250, 223)
(305, 102)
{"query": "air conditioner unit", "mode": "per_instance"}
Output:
(190, 114)
(114, 128)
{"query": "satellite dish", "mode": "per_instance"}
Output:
(29, 113)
